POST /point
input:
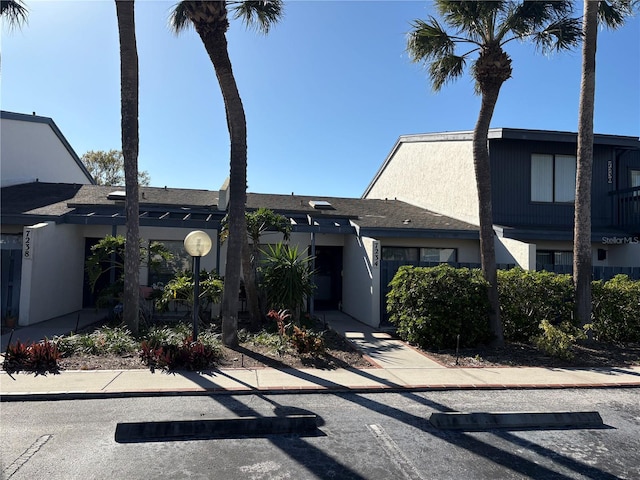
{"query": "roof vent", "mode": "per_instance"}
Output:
(118, 195)
(321, 205)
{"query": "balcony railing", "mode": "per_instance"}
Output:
(626, 205)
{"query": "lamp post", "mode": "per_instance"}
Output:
(197, 244)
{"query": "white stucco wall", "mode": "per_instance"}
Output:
(52, 272)
(623, 255)
(626, 254)
(438, 176)
(30, 151)
(361, 281)
(510, 251)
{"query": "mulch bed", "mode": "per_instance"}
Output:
(522, 355)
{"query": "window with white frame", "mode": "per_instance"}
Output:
(553, 178)
(424, 254)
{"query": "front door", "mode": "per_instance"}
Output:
(11, 274)
(328, 278)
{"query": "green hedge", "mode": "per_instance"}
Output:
(431, 306)
(616, 310)
(528, 297)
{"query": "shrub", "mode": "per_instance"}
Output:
(432, 306)
(180, 289)
(558, 341)
(616, 310)
(104, 340)
(286, 278)
(306, 341)
(527, 297)
(188, 355)
(39, 357)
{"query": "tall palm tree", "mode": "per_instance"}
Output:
(130, 140)
(611, 14)
(14, 12)
(209, 18)
(485, 27)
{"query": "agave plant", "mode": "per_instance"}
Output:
(287, 278)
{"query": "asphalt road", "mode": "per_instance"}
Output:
(372, 436)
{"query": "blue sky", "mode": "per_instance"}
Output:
(327, 92)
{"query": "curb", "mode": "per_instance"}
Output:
(478, 421)
(79, 395)
(137, 432)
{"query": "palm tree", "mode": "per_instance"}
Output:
(612, 14)
(211, 22)
(486, 27)
(13, 11)
(129, 130)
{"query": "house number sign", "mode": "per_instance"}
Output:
(376, 255)
(27, 247)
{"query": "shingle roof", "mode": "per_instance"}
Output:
(38, 198)
(366, 213)
(57, 200)
(89, 204)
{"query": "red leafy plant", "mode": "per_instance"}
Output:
(41, 357)
(189, 355)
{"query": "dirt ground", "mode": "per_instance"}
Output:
(338, 354)
(518, 354)
(341, 354)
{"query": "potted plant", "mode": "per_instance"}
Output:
(10, 321)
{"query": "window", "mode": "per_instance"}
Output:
(404, 254)
(425, 254)
(165, 270)
(438, 255)
(552, 258)
(553, 178)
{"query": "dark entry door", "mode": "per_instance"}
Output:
(328, 278)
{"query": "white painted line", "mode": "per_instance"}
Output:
(11, 469)
(405, 466)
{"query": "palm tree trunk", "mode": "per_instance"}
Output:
(482, 166)
(250, 286)
(129, 126)
(582, 216)
(215, 43)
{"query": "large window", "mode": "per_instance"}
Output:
(424, 254)
(164, 271)
(553, 178)
(634, 178)
(552, 258)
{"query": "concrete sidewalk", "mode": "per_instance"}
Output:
(398, 367)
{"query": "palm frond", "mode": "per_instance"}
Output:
(526, 17)
(179, 19)
(612, 14)
(446, 69)
(258, 14)
(563, 34)
(14, 11)
(428, 40)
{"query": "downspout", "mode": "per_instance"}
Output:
(313, 269)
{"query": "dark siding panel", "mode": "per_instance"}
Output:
(511, 182)
(511, 176)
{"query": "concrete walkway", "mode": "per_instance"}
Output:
(398, 367)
